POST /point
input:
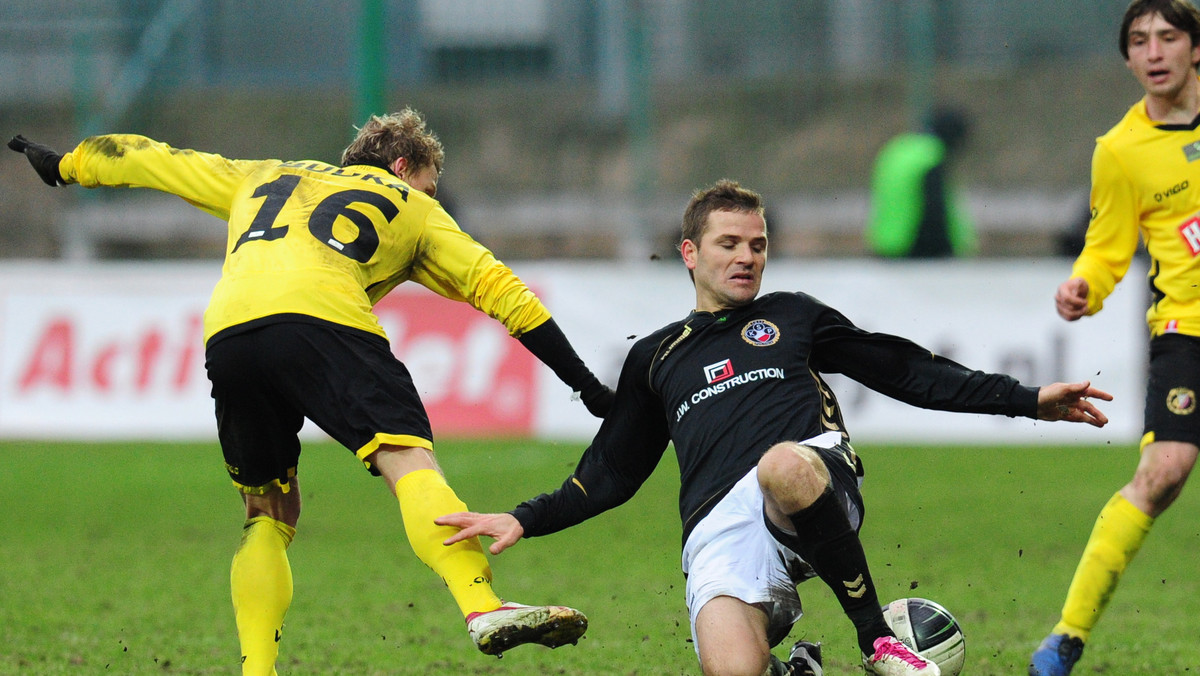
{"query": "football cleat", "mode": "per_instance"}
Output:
(514, 624)
(893, 658)
(805, 659)
(1056, 656)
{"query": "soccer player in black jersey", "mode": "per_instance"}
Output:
(1142, 171)
(290, 334)
(769, 487)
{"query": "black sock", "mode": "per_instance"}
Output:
(826, 540)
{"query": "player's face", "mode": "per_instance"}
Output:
(424, 179)
(1161, 56)
(728, 261)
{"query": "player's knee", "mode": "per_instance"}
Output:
(1159, 486)
(793, 475)
(275, 503)
(790, 457)
(1160, 478)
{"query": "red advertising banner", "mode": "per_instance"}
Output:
(111, 363)
(474, 378)
(163, 357)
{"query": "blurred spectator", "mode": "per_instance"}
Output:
(1070, 240)
(916, 212)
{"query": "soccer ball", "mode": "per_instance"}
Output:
(929, 629)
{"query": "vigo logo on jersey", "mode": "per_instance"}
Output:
(1175, 189)
(721, 377)
(760, 333)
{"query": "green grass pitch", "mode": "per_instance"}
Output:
(114, 559)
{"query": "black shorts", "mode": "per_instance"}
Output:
(1171, 413)
(846, 473)
(266, 380)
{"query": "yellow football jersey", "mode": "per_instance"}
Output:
(1146, 178)
(310, 238)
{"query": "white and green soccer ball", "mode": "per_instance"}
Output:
(929, 629)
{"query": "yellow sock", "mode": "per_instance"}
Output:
(1119, 533)
(261, 581)
(424, 496)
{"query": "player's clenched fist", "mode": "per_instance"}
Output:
(1071, 299)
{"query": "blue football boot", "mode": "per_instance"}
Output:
(1056, 656)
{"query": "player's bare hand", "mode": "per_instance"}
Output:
(503, 528)
(1071, 299)
(1069, 402)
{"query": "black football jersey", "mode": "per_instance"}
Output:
(724, 387)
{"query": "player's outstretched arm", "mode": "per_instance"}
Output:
(503, 528)
(1069, 401)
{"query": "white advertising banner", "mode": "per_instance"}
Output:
(114, 351)
(989, 315)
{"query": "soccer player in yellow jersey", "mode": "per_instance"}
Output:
(1145, 178)
(290, 334)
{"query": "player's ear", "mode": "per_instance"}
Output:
(399, 167)
(688, 250)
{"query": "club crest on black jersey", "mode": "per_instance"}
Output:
(760, 333)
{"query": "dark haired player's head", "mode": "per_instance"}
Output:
(1179, 13)
(951, 126)
(724, 195)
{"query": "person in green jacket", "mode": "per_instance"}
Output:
(916, 211)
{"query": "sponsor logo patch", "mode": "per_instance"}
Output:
(722, 378)
(1181, 401)
(1173, 190)
(719, 371)
(1190, 232)
(760, 333)
(1192, 151)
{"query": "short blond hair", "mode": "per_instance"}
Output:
(384, 139)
